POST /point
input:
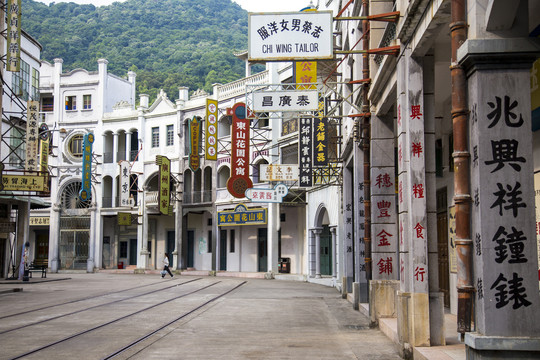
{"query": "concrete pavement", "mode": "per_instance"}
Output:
(261, 319)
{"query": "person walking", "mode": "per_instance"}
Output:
(166, 266)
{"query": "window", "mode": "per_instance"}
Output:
(155, 137)
(21, 81)
(35, 84)
(76, 146)
(18, 147)
(87, 102)
(232, 242)
(47, 104)
(170, 135)
(71, 103)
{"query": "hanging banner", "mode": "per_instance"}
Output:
(290, 36)
(125, 175)
(211, 129)
(305, 73)
(320, 140)
(194, 132)
(305, 152)
(86, 190)
(13, 14)
(164, 184)
(44, 160)
(32, 136)
(305, 100)
(239, 181)
(124, 218)
(241, 215)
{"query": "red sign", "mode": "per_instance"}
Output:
(239, 181)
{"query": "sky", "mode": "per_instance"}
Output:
(249, 5)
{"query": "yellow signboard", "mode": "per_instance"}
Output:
(23, 183)
(306, 72)
(124, 218)
(40, 220)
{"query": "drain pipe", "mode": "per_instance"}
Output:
(366, 138)
(461, 155)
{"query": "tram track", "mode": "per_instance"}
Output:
(95, 306)
(80, 334)
(77, 300)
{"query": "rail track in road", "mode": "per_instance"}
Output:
(145, 317)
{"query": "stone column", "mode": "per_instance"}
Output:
(333, 231)
(142, 234)
(90, 262)
(317, 232)
(359, 221)
(384, 230)
(273, 227)
(178, 221)
(115, 148)
(347, 227)
(54, 238)
(412, 201)
(503, 209)
(311, 255)
(128, 146)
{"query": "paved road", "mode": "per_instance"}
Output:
(94, 316)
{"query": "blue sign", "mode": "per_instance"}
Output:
(86, 190)
(241, 215)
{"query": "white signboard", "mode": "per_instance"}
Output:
(124, 183)
(271, 172)
(290, 36)
(304, 100)
(274, 195)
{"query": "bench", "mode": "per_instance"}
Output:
(39, 265)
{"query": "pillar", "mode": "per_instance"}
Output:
(273, 237)
(412, 201)
(142, 234)
(90, 262)
(360, 221)
(333, 231)
(115, 148)
(128, 146)
(54, 238)
(317, 232)
(503, 210)
(178, 226)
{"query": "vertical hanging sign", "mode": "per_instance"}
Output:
(306, 73)
(306, 152)
(321, 142)
(124, 183)
(194, 130)
(164, 184)
(32, 136)
(239, 181)
(86, 191)
(14, 35)
(211, 129)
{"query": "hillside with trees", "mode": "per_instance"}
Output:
(168, 43)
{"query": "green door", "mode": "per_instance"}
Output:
(263, 250)
(223, 250)
(326, 251)
(132, 251)
(190, 248)
(170, 246)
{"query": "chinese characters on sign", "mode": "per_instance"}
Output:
(125, 175)
(305, 152)
(286, 100)
(13, 35)
(23, 183)
(290, 36)
(211, 129)
(320, 140)
(239, 181)
(306, 73)
(164, 184)
(273, 172)
(40, 220)
(32, 136)
(274, 195)
(86, 190)
(194, 130)
(241, 215)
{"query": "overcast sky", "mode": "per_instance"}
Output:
(249, 5)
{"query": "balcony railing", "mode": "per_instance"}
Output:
(107, 157)
(238, 87)
(197, 197)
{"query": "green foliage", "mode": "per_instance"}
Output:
(168, 43)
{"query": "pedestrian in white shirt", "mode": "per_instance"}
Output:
(166, 266)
